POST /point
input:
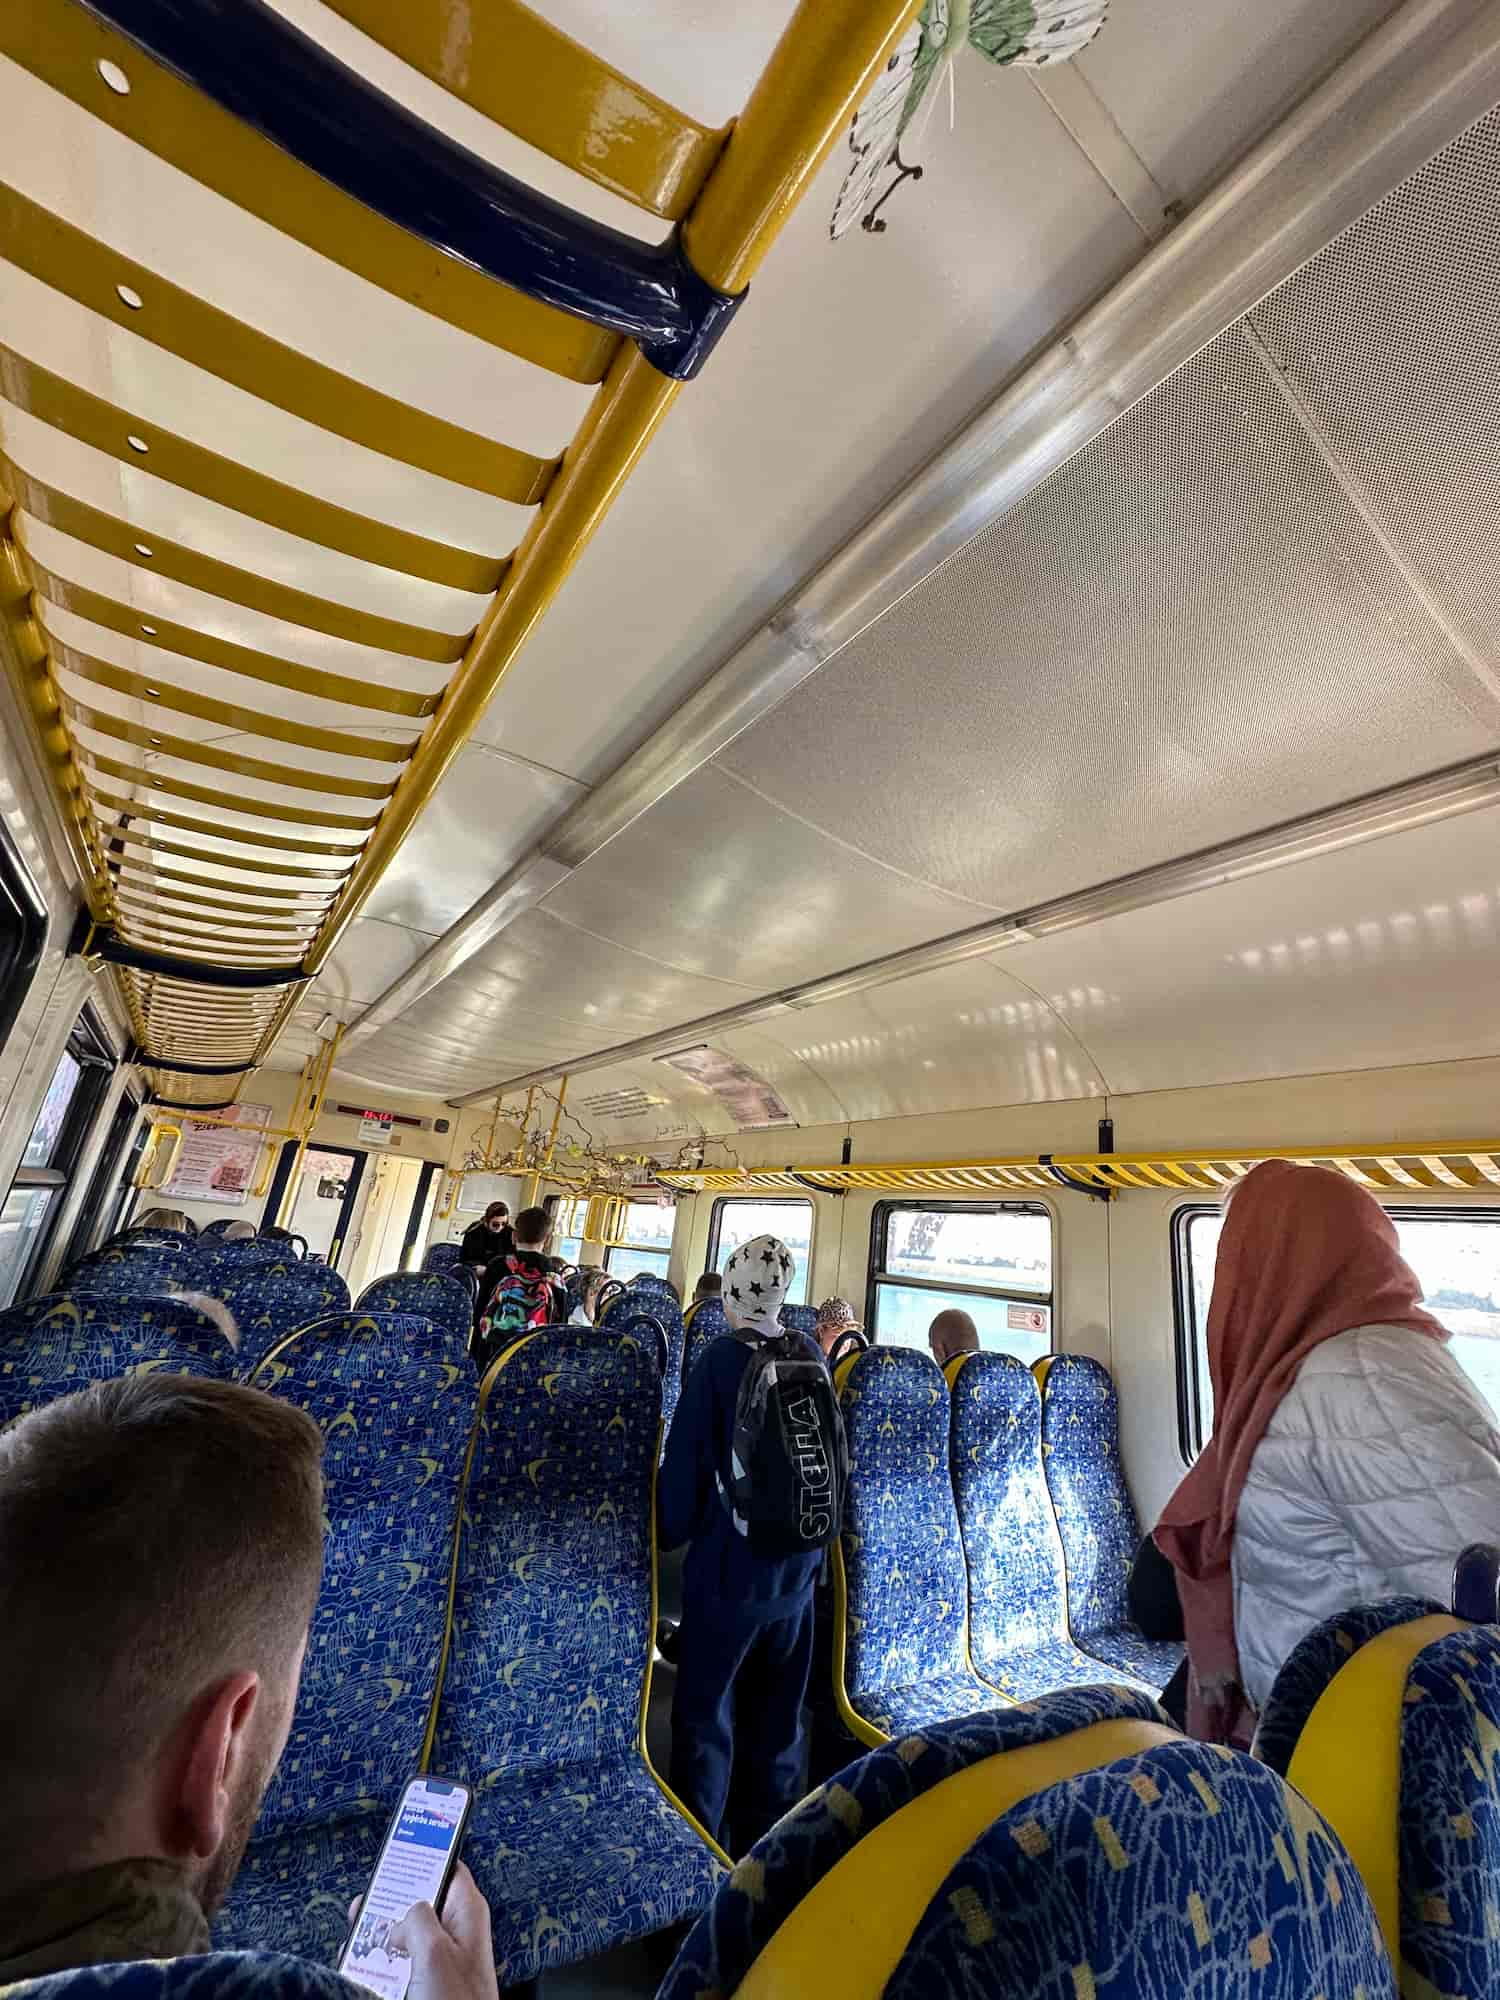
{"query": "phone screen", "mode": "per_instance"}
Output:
(415, 1861)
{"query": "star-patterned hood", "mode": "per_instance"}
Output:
(756, 1279)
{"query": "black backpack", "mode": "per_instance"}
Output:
(790, 1465)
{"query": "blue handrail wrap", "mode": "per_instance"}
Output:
(254, 64)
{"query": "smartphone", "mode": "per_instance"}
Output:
(416, 1863)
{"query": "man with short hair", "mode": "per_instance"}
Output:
(161, 1544)
(952, 1333)
(709, 1286)
(516, 1291)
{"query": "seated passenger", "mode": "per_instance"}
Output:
(1351, 1459)
(161, 1542)
(590, 1282)
(709, 1286)
(239, 1232)
(952, 1333)
(165, 1218)
(835, 1319)
(489, 1238)
(745, 1642)
(516, 1291)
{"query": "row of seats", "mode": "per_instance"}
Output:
(531, 1500)
(987, 1540)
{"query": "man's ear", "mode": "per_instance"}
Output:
(214, 1750)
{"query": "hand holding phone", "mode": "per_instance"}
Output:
(416, 1864)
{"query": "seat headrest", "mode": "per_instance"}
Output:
(1476, 1584)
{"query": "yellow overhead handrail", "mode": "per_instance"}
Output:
(1453, 1164)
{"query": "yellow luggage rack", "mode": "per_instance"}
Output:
(211, 960)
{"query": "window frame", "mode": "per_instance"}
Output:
(648, 1249)
(89, 1046)
(723, 1201)
(21, 949)
(1190, 1437)
(876, 1275)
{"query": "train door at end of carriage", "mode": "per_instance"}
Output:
(321, 1206)
(399, 1194)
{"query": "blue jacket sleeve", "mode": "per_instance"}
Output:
(685, 1484)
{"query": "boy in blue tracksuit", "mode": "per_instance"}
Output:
(745, 1643)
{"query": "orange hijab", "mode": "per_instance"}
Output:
(1305, 1254)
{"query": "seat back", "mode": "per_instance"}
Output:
(396, 1428)
(853, 1340)
(389, 1339)
(1179, 1868)
(1017, 1594)
(215, 1975)
(660, 1302)
(53, 1345)
(270, 1301)
(552, 1626)
(438, 1256)
(219, 1259)
(800, 1319)
(708, 1322)
(867, 1803)
(444, 1300)
(1312, 1664)
(905, 1591)
(1476, 1584)
(215, 1229)
(1095, 1518)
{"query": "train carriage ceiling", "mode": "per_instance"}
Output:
(1268, 589)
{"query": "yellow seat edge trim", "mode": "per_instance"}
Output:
(849, 1931)
(1348, 1758)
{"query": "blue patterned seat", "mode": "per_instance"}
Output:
(1018, 1612)
(396, 1430)
(903, 1608)
(216, 1975)
(659, 1300)
(396, 1337)
(445, 1300)
(63, 1341)
(573, 1839)
(800, 1319)
(131, 1273)
(270, 1301)
(1180, 1870)
(805, 1846)
(1312, 1664)
(1095, 1519)
(708, 1322)
(439, 1256)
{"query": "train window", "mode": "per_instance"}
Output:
(567, 1229)
(57, 1139)
(23, 932)
(1454, 1251)
(991, 1260)
(736, 1220)
(644, 1242)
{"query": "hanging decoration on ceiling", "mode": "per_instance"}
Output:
(1027, 33)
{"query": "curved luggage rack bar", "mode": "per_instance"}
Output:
(211, 960)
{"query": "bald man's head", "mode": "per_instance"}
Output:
(952, 1332)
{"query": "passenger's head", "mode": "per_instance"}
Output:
(496, 1216)
(164, 1218)
(238, 1232)
(709, 1286)
(160, 1552)
(276, 1234)
(533, 1229)
(590, 1283)
(756, 1280)
(951, 1333)
(1305, 1253)
(835, 1316)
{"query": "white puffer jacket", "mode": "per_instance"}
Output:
(1381, 1462)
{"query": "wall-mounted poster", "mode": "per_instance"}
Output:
(217, 1162)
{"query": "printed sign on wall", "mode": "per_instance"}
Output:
(217, 1162)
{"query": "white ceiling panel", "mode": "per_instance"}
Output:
(369, 957)
(851, 363)
(484, 815)
(1187, 633)
(1192, 87)
(1370, 958)
(718, 881)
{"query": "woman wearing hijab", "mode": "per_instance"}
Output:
(1351, 1459)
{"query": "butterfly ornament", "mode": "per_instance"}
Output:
(1026, 32)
